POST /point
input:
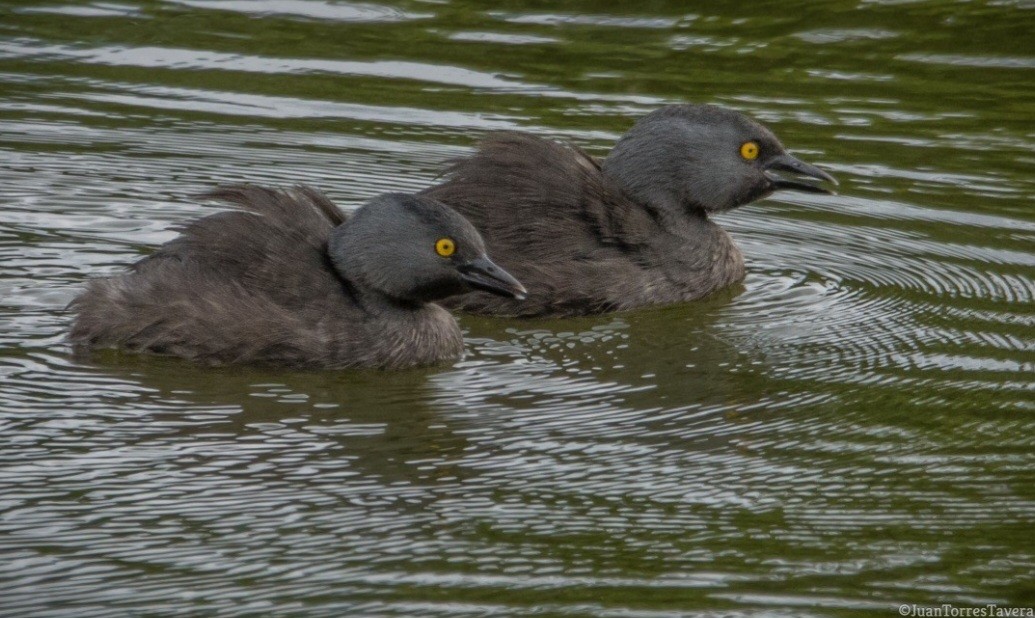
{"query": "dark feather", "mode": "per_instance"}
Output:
(255, 285)
(552, 218)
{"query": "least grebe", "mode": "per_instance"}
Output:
(289, 280)
(591, 237)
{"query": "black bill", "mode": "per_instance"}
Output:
(787, 163)
(482, 274)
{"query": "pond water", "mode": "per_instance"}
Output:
(850, 430)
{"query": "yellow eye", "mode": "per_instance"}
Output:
(445, 247)
(749, 150)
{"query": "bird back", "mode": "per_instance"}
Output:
(248, 285)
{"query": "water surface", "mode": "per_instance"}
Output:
(851, 429)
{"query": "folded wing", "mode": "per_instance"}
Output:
(247, 285)
(550, 217)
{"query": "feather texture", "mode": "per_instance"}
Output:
(256, 285)
(551, 217)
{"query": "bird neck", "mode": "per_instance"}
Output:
(688, 223)
(372, 301)
(669, 212)
(653, 192)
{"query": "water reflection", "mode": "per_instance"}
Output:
(848, 431)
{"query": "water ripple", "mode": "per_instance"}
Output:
(320, 9)
(848, 430)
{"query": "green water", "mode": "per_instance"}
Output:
(850, 430)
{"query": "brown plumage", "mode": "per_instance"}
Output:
(289, 280)
(550, 215)
(633, 230)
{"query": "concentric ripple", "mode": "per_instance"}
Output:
(849, 430)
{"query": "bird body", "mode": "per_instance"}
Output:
(551, 215)
(288, 280)
(269, 284)
(592, 237)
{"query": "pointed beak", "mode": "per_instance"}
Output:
(482, 274)
(787, 163)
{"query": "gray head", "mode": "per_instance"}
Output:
(415, 249)
(703, 158)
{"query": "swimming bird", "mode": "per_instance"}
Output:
(632, 230)
(287, 279)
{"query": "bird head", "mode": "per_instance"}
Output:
(416, 249)
(707, 159)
